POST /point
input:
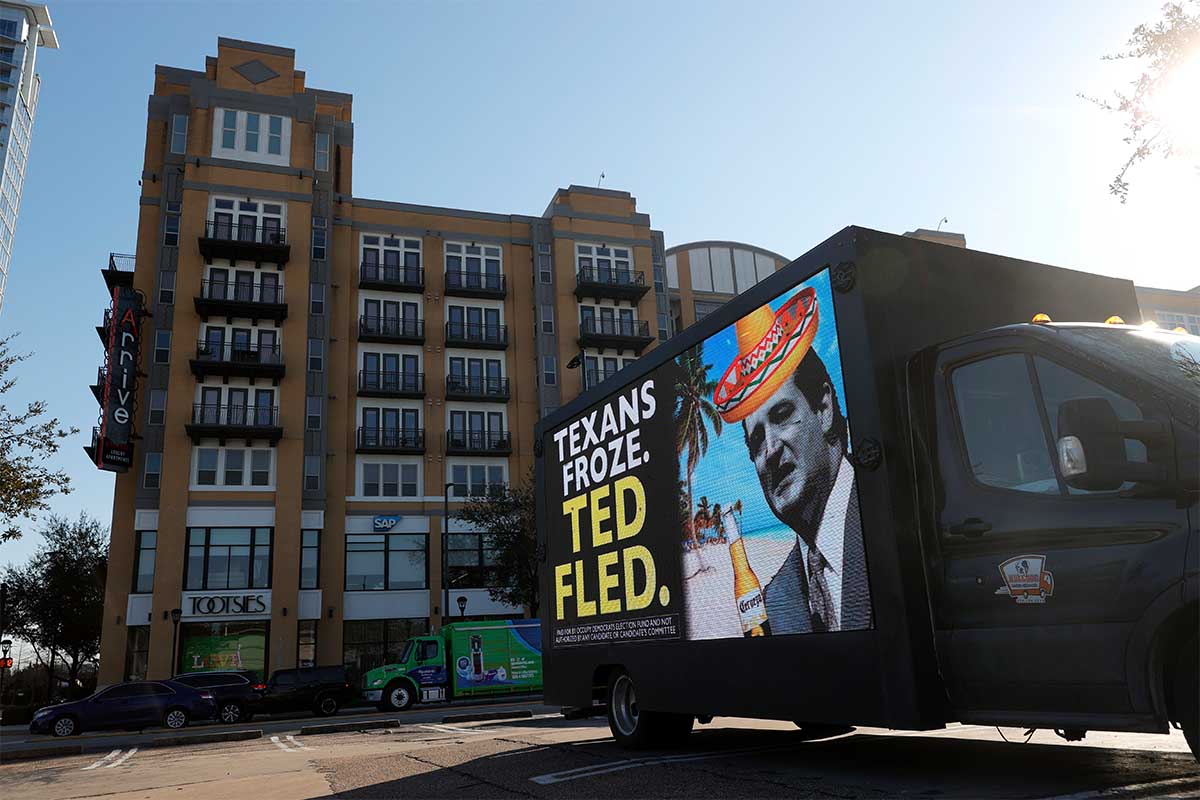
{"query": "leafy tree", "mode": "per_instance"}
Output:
(1170, 51)
(506, 517)
(693, 405)
(56, 600)
(26, 442)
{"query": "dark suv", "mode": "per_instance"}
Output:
(238, 694)
(322, 690)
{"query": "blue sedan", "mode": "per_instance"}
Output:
(132, 705)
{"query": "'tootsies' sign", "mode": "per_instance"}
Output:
(257, 604)
(114, 445)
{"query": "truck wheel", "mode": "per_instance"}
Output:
(398, 696)
(326, 706)
(1185, 694)
(636, 729)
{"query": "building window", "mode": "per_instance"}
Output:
(228, 558)
(229, 130)
(166, 287)
(549, 370)
(153, 472)
(316, 298)
(470, 560)
(318, 238)
(385, 562)
(171, 224)
(545, 269)
(246, 220)
(235, 467)
(158, 407)
(664, 328)
(547, 316)
(226, 467)
(312, 415)
(310, 558)
(238, 134)
(275, 135)
(252, 133)
(1172, 320)
(704, 308)
(473, 266)
(143, 562)
(371, 643)
(179, 125)
(476, 480)
(602, 262)
(137, 652)
(312, 473)
(260, 467)
(306, 643)
(389, 480)
(162, 347)
(316, 354)
(321, 158)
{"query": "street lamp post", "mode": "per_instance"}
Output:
(445, 556)
(5, 646)
(462, 606)
(176, 615)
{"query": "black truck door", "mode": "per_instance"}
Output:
(1042, 583)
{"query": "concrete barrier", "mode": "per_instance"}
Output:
(203, 738)
(349, 727)
(487, 715)
(31, 753)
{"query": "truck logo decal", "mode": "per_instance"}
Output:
(1026, 579)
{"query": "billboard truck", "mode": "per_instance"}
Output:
(464, 659)
(873, 490)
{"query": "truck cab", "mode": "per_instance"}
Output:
(418, 675)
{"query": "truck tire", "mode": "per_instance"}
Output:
(1185, 694)
(398, 696)
(636, 729)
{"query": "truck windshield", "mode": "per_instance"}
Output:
(1171, 358)
(405, 651)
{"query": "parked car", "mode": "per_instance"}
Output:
(135, 704)
(238, 694)
(322, 690)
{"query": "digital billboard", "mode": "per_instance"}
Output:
(714, 497)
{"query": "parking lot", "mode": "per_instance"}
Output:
(548, 756)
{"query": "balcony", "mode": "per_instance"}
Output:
(101, 381)
(397, 330)
(618, 334)
(244, 242)
(488, 390)
(253, 301)
(478, 443)
(475, 284)
(616, 284)
(484, 337)
(119, 271)
(224, 422)
(391, 278)
(375, 383)
(238, 361)
(102, 328)
(391, 441)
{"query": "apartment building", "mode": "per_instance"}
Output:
(1170, 308)
(24, 28)
(323, 376)
(703, 275)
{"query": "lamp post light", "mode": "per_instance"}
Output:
(445, 558)
(176, 615)
(462, 606)
(5, 646)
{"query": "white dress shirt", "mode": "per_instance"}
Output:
(831, 535)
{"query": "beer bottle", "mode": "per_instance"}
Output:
(747, 591)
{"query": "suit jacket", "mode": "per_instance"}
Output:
(786, 594)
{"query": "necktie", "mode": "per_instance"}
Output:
(820, 604)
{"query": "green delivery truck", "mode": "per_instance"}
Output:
(465, 659)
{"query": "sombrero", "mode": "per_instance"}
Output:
(771, 344)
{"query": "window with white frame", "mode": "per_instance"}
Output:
(603, 263)
(549, 371)
(158, 407)
(153, 472)
(247, 220)
(390, 479)
(321, 152)
(390, 258)
(476, 480)
(166, 287)
(1171, 320)
(312, 473)
(474, 266)
(233, 467)
(318, 238)
(251, 136)
(547, 317)
(171, 224)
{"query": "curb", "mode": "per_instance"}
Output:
(40, 752)
(174, 741)
(205, 738)
(487, 715)
(349, 727)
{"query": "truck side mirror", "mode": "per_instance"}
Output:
(1091, 446)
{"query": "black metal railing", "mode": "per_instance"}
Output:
(610, 277)
(477, 386)
(235, 416)
(233, 353)
(629, 328)
(475, 281)
(391, 381)
(385, 438)
(391, 275)
(462, 490)
(397, 327)
(241, 291)
(479, 441)
(121, 262)
(594, 377)
(237, 231)
(476, 333)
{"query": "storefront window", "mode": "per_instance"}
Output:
(137, 652)
(375, 562)
(306, 643)
(143, 571)
(471, 560)
(207, 646)
(370, 643)
(228, 558)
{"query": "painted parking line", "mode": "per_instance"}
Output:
(103, 761)
(296, 743)
(121, 760)
(275, 741)
(650, 761)
(449, 729)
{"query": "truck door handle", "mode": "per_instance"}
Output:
(971, 526)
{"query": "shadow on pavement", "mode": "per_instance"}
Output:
(754, 763)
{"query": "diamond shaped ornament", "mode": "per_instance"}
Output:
(255, 71)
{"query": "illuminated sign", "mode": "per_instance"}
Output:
(113, 446)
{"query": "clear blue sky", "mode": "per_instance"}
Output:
(772, 123)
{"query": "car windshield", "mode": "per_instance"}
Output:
(405, 652)
(1171, 358)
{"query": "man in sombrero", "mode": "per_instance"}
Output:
(779, 389)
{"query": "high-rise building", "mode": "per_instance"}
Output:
(24, 27)
(323, 374)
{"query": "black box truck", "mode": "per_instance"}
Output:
(873, 490)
